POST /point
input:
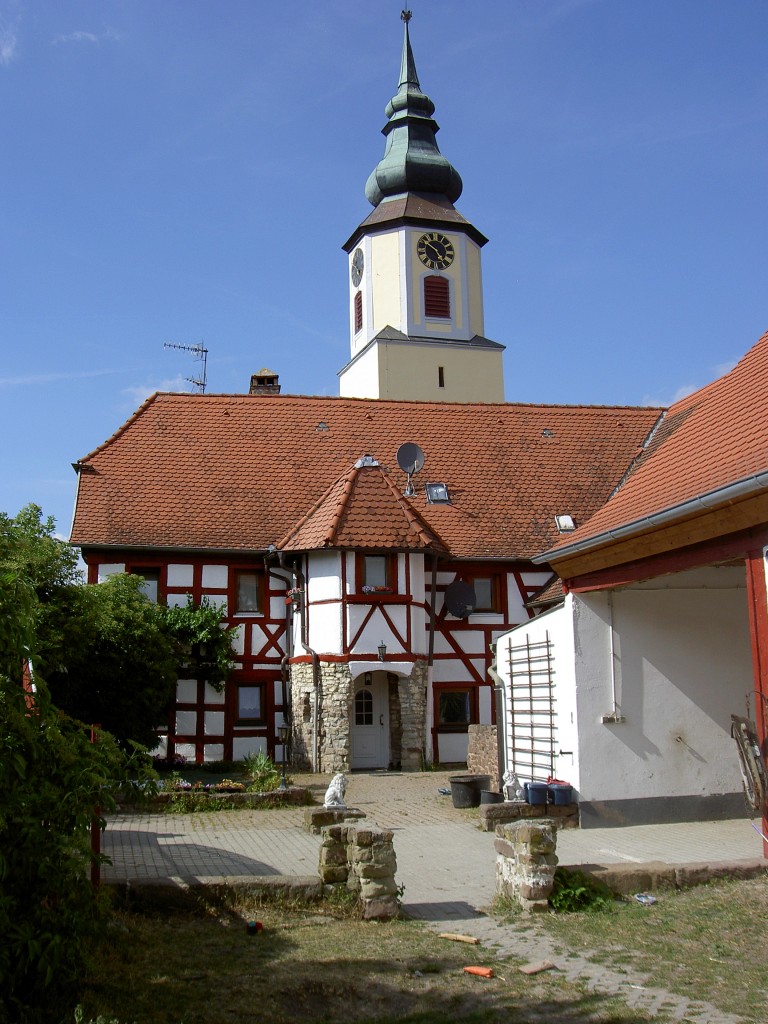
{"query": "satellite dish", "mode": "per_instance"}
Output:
(460, 599)
(410, 458)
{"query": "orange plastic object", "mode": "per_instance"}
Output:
(481, 972)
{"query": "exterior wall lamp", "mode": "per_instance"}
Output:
(282, 732)
(382, 651)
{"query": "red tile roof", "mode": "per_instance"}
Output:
(712, 439)
(362, 509)
(239, 472)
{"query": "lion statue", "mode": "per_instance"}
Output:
(334, 796)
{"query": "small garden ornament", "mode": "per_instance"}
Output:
(334, 796)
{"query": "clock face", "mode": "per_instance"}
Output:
(358, 262)
(435, 250)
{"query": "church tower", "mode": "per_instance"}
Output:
(415, 272)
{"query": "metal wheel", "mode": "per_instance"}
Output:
(750, 762)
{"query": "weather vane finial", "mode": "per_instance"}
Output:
(406, 15)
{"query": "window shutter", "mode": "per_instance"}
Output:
(437, 297)
(358, 311)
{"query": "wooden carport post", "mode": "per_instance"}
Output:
(757, 600)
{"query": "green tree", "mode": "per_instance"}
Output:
(108, 654)
(51, 781)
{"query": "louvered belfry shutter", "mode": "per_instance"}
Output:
(437, 297)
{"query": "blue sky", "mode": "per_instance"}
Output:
(186, 171)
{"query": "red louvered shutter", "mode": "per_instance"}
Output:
(358, 311)
(437, 297)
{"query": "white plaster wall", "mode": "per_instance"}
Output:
(451, 670)
(244, 745)
(419, 587)
(683, 666)
(452, 747)
(377, 630)
(386, 281)
(324, 584)
(361, 378)
(324, 576)
(180, 575)
(325, 628)
(215, 577)
(484, 704)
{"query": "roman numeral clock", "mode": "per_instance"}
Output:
(435, 250)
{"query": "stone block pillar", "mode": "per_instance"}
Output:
(333, 697)
(526, 863)
(365, 859)
(413, 716)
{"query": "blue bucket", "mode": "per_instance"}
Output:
(536, 792)
(561, 793)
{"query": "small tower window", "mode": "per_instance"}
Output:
(437, 297)
(358, 312)
(441, 376)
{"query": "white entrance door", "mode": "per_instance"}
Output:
(369, 728)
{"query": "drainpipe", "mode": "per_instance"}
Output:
(501, 722)
(615, 716)
(301, 582)
(431, 647)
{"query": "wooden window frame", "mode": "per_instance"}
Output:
(363, 697)
(437, 297)
(471, 692)
(390, 574)
(495, 581)
(358, 311)
(261, 587)
(251, 721)
(155, 572)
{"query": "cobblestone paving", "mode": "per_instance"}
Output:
(445, 862)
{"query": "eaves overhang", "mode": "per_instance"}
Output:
(91, 547)
(410, 209)
(721, 496)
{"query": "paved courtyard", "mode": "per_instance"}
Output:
(445, 863)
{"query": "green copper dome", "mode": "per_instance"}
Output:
(412, 161)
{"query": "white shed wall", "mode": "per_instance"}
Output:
(682, 666)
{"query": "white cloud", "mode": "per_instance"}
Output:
(682, 392)
(86, 37)
(48, 378)
(719, 370)
(139, 393)
(8, 42)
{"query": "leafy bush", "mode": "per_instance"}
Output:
(52, 781)
(574, 891)
(262, 772)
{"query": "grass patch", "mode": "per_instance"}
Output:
(185, 957)
(705, 943)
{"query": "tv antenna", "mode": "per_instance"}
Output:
(200, 352)
(410, 458)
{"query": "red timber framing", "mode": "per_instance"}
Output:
(206, 723)
(503, 579)
(378, 602)
(758, 627)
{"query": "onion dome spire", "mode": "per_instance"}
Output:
(412, 161)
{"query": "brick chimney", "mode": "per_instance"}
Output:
(265, 382)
